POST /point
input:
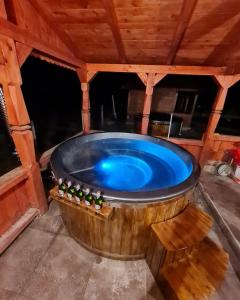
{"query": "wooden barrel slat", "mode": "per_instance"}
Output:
(126, 234)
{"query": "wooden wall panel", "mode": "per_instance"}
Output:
(13, 204)
(222, 144)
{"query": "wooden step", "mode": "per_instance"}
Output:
(197, 276)
(185, 230)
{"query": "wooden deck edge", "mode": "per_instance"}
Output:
(233, 242)
(12, 233)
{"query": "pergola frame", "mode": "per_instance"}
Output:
(23, 186)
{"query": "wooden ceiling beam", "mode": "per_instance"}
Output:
(63, 36)
(188, 7)
(163, 69)
(113, 22)
(23, 36)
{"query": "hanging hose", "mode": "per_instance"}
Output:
(3, 112)
(4, 123)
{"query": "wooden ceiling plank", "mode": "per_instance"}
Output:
(226, 48)
(163, 69)
(113, 22)
(23, 51)
(64, 37)
(23, 36)
(84, 3)
(188, 7)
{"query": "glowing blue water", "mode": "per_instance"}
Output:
(130, 165)
(124, 171)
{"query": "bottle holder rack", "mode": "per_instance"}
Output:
(104, 213)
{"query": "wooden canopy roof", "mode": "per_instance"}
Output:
(133, 32)
(180, 32)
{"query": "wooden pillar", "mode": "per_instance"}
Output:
(224, 82)
(19, 123)
(85, 77)
(150, 80)
(86, 117)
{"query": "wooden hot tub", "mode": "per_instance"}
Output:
(121, 229)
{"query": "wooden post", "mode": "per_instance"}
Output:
(86, 117)
(85, 77)
(150, 80)
(224, 82)
(19, 123)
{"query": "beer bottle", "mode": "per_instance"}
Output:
(62, 188)
(70, 190)
(79, 194)
(99, 200)
(88, 197)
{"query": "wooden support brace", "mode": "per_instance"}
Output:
(143, 77)
(151, 80)
(23, 51)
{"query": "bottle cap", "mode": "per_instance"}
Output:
(69, 183)
(77, 187)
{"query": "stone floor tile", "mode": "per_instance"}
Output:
(229, 288)
(53, 210)
(25, 253)
(9, 295)
(13, 278)
(44, 287)
(48, 224)
(117, 280)
(63, 231)
(64, 271)
(152, 289)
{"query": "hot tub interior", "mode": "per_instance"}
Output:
(122, 162)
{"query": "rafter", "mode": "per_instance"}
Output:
(184, 19)
(23, 36)
(113, 22)
(64, 37)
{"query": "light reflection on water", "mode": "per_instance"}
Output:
(128, 165)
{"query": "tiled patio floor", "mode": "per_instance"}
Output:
(45, 263)
(226, 196)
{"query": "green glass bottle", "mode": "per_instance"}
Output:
(88, 197)
(62, 187)
(99, 200)
(79, 194)
(70, 190)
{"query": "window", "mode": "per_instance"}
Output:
(186, 102)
